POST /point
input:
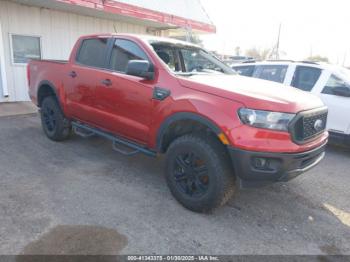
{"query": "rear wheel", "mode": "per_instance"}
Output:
(199, 173)
(55, 125)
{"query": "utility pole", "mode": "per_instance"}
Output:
(275, 54)
(278, 43)
(188, 34)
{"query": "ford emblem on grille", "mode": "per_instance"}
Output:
(318, 125)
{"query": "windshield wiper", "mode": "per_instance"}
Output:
(198, 73)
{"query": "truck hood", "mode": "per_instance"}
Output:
(253, 93)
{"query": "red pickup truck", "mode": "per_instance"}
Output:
(163, 96)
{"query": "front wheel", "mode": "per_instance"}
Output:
(199, 173)
(55, 125)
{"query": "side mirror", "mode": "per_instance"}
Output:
(341, 91)
(141, 68)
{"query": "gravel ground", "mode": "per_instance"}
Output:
(80, 197)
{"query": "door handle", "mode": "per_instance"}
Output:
(106, 82)
(73, 74)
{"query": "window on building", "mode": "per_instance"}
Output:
(245, 70)
(275, 73)
(305, 77)
(25, 48)
(334, 82)
(123, 51)
(93, 52)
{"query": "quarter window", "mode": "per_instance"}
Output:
(25, 48)
(123, 51)
(306, 77)
(93, 52)
(275, 73)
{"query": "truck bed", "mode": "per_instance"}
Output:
(40, 69)
(51, 60)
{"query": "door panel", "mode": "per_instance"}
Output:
(127, 101)
(82, 95)
(337, 112)
(110, 100)
(3, 81)
(127, 105)
(84, 77)
(338, 106)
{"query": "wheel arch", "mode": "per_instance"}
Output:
(46, 88)
(166, 133)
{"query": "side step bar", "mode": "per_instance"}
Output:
(87, 131)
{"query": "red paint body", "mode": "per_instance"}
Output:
(127, 108)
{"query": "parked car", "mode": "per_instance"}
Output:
(331, 83)
(232, 60)
(162, 96)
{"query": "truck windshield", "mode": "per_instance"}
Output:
(189, 60)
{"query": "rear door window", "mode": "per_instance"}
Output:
(275, 73)
(93, 52)
(245, 70)
(305, 77)
(122, 52)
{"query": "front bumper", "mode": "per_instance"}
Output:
(259, 168)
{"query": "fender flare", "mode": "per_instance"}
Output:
(183, 116)
(53, 89)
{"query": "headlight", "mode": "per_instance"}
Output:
(265, 119)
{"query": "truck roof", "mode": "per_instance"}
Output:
(146, 38)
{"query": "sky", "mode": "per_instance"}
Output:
(307, 27)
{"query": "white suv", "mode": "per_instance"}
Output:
(330, 83)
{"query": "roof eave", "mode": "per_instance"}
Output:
(127, 10)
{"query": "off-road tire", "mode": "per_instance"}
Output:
(221, 185)
(55, 125)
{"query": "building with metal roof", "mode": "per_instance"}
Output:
(49, 28)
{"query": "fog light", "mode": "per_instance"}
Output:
(261, 163)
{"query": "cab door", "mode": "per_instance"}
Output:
(85, 74)
(338, 103)
(126, 100)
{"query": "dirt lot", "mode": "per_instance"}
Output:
(81, 197)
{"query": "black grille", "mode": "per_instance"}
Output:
(304, 127)
(309, 125)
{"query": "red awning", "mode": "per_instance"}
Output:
(115, 7)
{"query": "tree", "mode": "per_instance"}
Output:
(318, 58)
(258, 53)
